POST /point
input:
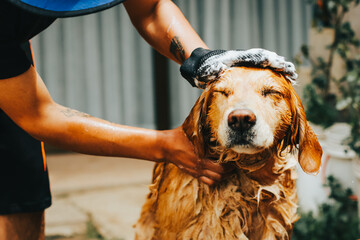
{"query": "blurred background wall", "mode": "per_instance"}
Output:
(99, 64)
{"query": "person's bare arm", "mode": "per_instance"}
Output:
(27, 102)
(163, 25)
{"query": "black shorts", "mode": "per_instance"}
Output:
(24, 181)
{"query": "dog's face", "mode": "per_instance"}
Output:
(250, 110)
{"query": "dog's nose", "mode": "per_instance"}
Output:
(241, 119)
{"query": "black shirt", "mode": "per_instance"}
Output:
(24, 182)
(17, 27)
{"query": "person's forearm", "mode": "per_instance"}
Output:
(166, 29)
(79, 132)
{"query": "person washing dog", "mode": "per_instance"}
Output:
(29, 116)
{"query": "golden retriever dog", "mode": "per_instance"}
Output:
(254, 118)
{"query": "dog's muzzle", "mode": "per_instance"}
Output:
(241, 122)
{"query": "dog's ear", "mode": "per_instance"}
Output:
(310, 151)
(194, 124)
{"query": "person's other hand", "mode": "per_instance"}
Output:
(205, 65)
(180, 151)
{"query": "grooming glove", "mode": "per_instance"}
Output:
(205, 65)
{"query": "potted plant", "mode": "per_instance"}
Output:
(335, 219)
(332, 98)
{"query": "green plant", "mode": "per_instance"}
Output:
(337, 219)
(330, 99)
(329, 13)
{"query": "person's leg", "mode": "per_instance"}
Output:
(20, 226)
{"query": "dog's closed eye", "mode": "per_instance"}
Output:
(226, 93)
(271, 92)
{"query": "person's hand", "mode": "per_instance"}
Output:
(204, 65)
(180, 151)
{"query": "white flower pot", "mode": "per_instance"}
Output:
(340, 163)
(338, 160)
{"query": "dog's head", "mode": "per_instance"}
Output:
(249, 111)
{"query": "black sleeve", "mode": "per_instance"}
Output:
(16, 28)
(15, 59)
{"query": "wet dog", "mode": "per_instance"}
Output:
(253, 118)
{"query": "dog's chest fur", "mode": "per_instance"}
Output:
(180, 207)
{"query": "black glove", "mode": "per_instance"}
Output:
(204, 65)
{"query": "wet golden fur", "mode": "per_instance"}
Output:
(258, 201)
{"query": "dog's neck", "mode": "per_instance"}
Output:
(265, 175)
(262, 167)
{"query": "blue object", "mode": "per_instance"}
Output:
(65, 8)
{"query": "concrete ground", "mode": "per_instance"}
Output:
(95, 197)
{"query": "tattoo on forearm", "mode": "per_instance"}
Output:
(68, 112)
(177, 49)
